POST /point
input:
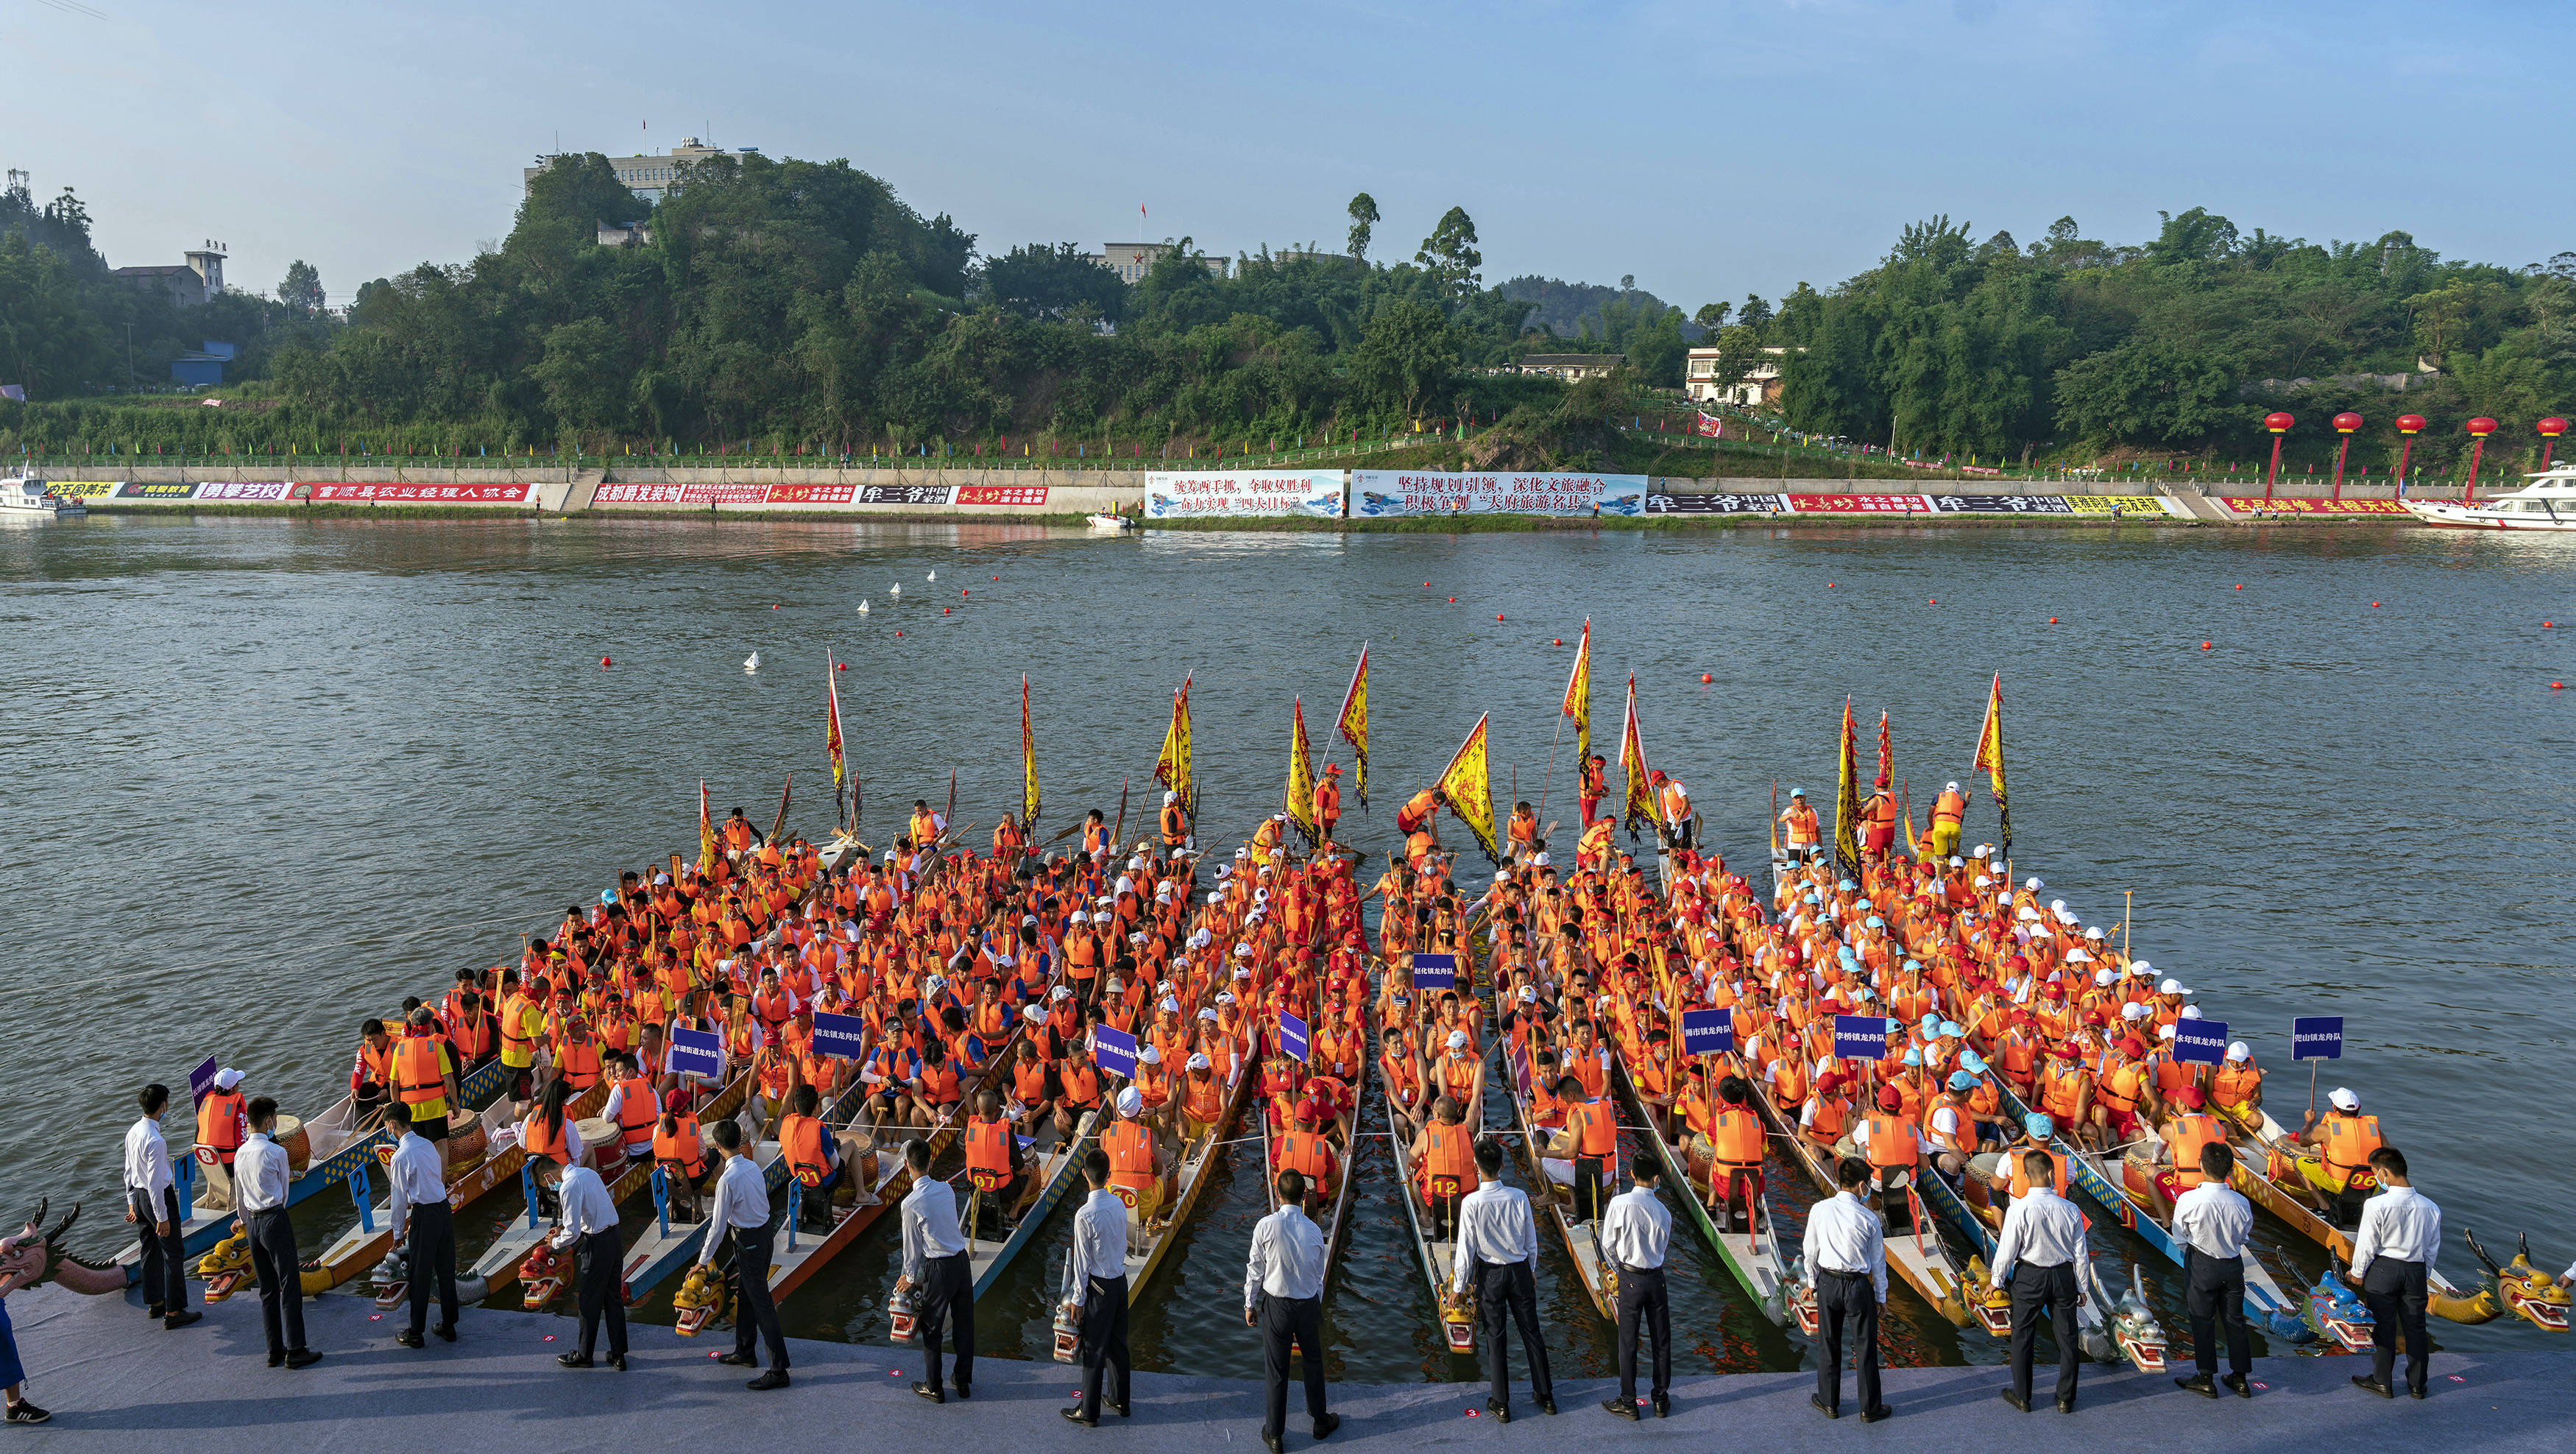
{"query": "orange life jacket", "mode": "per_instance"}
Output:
(2021, 1173)
(2198, 1130)
(2061, 1091)
(1081, 1081)
(2349, 1140)
(939, 1083)
(579, 1064)
(1449, 1162)
(417, 1078)
(1131, 1155)
(636, 1114)
(540, 1140)
(1202, 1100)
(988, 1153)
(1596, 1128)
(1891, 1140)
(681, 1148)
(219, 1120)
(1305, 1152)
(1736, 1138)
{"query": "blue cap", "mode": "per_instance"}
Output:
(1953, 1029)
(1914, 1057)
(1913, 964)
(1960, 1080)
(1815, 898)
(1970, 1060)
(608, 897)
(1875, 922)
(1895, 1027)
(1931, 1023)
(2039, 1127)
(1846, 886)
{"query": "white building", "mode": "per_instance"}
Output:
(1131, 261)
(1570, 366)
(1757, 388)
(648, 177)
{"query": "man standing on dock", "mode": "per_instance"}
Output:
(152, 1204)
(2400, 1231)
(1099, 1279)
(590, 1225)
(425, 1226)
(1283, 1296)
(938, 1274)
(260, 1180)
(1846, 1248)
(2212, 1220)
(1498, 1248)
(2043, 1237)
(741, 1212)
(1635, 1235)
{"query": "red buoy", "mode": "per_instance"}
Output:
(2203, 646)
(2374, 605)
(944, 610)
(2240, 588)
(773, 607)
(1560, 641)
(2052, 620)
(603, 661)
(898, 633)
(1704, 679)
(1498, 615)
(961, 590)
(840, 666)
(997, 578)
(1931, 600)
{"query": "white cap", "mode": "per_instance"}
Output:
(2172, 987)
(2104, 977)
(1171, 797)
(2093, 933)
(2078, 956)
(1149, 1055)
(1207, 1014)
(2034, 883)
(1079, 917)
(2164, 1032)
(2140, 966)
(227, 1078)
(1197, 1062)
(2189, 1012)
(932, 985)
(2133, 1011)
(1131, 1101)
(1243, 971)
(1529, 994)
(1170, 1004)
(2240, 1051)
(1032, 1014)
(1061, 993)
(1952, 788)
(2343, 1100)
(1225, 997)
(1539, 860)
(1957, 862)
(1984, 882)
(1242, 947)
(1457, 1039)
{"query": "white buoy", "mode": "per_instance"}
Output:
(751, 662)
(894, 590)
(934, 575)
(863, 608)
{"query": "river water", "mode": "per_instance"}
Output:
(264, 778)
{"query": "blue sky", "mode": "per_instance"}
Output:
(1711, 148)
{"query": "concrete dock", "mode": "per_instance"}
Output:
(109, 1374)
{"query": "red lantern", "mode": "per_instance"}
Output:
(2279, 424)
(2344, 423)
(2479, 429)
(2550, 428)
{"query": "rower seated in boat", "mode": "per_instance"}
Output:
(993, 1161)
(2339, 1176)
(2177, 1145)
(1135, 1158)
(1305, 1149)
(1444, 1158)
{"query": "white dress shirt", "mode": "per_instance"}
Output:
(1099, 1239)
(259, 1175)
(1287, 1258)
(930, 1226)
(587, 1207)
(2214, 1218)
(1494, 1225)
(418, 1174)
(2400, 1224)
(617, 1102)
(2044, 1230)
(1636, 1231)
(147, 1158)
(1844, 1235)
(741, 1200)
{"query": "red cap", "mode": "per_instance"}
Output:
(1888, 1099)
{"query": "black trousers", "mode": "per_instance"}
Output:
(1847, 1301)
(432, 1252)
(1506, 1288)
(2215, 1295)
(2049, 1291)
(1587, 1188)
(1643, 1298)
(281, 1280)
(947, 1290)
(603, 1258)
(1103, 1342)
(1286, 1321)
(2394, 1293)
(165, 1259)
(753, 1312)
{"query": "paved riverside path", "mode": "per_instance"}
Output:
(109, 1376)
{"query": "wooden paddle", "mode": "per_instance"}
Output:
(1118, 835)
(779, 823)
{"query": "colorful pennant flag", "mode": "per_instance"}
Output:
(1637, 801)
(1354, 724)
(1028, 763)
(1578, 696)
(1301, 778)
(1990, 756)
(1467, 786)
(1847, 802)
(1173, 767)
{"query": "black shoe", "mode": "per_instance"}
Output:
(1271, 1441)
(302, 1358)
(23, 1412)
(1325, 1425)
(2016, 1400)
(961, 1390)
(1873, 1415)
(2368, 1384)
(617, 1361)
(1822, 1407)
(1119, 1409)
(446, 1332)
(1663, 1408)
(2066, 1406)
(2243, 1385)
(738, 1360)
(931, 1392)
(573, 1360)
(1547, 1406)
(2414, 1392)
(774, 1378)
(277, 1360)
(2201, 1384)
(1623, 1407)
(1076, 1416)
(155, 1312)
(182, 1318)
(1501, 1411)
(410, 1339)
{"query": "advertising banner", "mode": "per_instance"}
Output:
(2125, 504)
(696, 1052)
(842, 1035)
(809, 494)
(83, 489)
(1001, 494)
(382, 492)
(1698, 504)
(1861, 504)
(1210, 494)
(154, 490)
(2002, 505)
(244, 489)
(2249, 504)
(1443, 492)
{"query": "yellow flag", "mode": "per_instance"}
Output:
(1301, 777)
(706, 830)
(1847, 803)
(1173, 767)
(1990, 756)
(832, 724)
(1467, 786)
(1355, 724)
(1028, 763)
(1578, 696)
(1637, 801)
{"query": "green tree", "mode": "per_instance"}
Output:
(1755, 313)
(1449, 254)
(1038, 281)
(1406, 358)
(1363, 217)
(1711, 316)
(302, 287)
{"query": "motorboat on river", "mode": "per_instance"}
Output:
(2548, 502)
(28, 496)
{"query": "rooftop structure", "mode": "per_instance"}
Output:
(196, 281)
